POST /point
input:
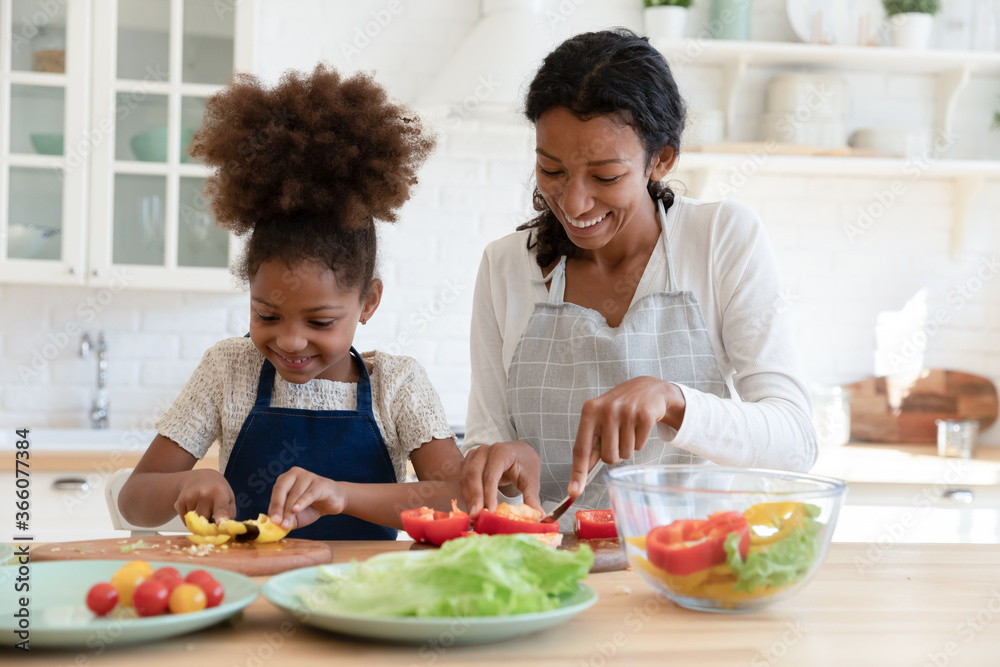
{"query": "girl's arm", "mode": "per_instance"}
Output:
(300, 497)
(164, 484)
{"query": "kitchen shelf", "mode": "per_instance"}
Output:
(967, 176)
(951, 69)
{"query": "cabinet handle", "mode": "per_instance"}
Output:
(73, 270)
(98, 273)
(965, 496)
(70, 484)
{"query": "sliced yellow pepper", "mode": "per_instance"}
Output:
(786, 517)
(209, 539)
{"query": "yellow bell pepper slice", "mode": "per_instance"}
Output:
(785, 517)
(209, 539)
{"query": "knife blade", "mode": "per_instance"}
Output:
(564, 505)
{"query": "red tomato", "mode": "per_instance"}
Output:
(102, 598)
(151, 597)
(214, 592)
(198, 576)
(687, 546)
(595, 525)
(488, 523)
(427, 525)
(169, 576)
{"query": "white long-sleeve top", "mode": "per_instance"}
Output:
(721, 253)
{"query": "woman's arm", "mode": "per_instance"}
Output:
(163, 485)
(770, 426)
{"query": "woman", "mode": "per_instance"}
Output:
(616, 323)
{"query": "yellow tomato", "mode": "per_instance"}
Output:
(187, 598)
(140, 565)
(125, 581)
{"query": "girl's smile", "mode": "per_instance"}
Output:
(304, 323)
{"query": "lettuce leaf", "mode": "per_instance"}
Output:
(778, 564)
(481, 575)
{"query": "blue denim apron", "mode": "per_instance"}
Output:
(342, 445)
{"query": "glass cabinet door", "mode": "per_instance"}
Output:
(167, 58)
(43, 150)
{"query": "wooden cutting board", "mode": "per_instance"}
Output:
(608, 554)
(253, 560)
(904, 408)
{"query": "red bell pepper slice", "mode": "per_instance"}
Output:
(509, 519)
(595, 525)
(687, 546)
(427, 525)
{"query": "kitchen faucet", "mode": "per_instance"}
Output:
(99, 410)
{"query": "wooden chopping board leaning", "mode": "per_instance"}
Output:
(903, 408)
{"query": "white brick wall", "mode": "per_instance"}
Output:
(476, 188)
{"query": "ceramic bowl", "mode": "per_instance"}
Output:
(26, 241)
(47, 144)
(151, 145)
(723, 539)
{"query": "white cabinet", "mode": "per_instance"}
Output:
(89, 192)
(66, 506)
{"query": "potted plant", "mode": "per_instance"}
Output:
(665, 19)
(910, 21)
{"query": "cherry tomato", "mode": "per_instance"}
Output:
(198, 576)
(141, 566)
(187, 598)
(102, 598)
(169, 576)
(214, 592)
(125, 581)
(151, 598)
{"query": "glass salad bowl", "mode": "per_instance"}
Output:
(723, 539)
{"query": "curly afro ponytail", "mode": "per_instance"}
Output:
(307, 166)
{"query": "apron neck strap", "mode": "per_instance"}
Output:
(664, 233)
(266, 383)
(557, 284)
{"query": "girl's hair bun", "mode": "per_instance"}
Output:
(316, 146)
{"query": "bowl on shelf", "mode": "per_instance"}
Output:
(723, 539)
(26, 240)
(47, 144)
(151, 145)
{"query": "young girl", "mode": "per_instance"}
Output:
(311, 433)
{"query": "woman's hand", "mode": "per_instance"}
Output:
(617, 424)
(208, 493)
(485, 469)
(300, 497)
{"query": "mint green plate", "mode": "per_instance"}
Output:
(281, 591)
(59, 617)
(6, 551)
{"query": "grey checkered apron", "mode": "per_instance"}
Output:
(568, 354)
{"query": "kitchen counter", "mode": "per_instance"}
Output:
(898, 604)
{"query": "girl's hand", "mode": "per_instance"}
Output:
(208, 493)
(617, 424)
(487, 468)
(300, 497)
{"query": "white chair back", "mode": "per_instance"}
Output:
(111, 490)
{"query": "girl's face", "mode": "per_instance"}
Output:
(593, 175)
(303, 323)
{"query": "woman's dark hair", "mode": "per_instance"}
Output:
(612, 72)
(307, 166)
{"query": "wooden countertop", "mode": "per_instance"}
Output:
(902, 604)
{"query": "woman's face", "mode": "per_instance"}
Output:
(593, 175)
(304, 323)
